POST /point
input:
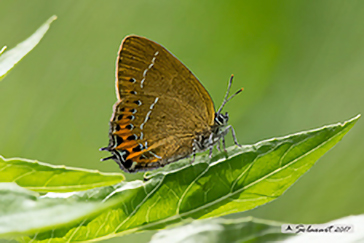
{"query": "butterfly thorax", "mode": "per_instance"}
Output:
(207, 140)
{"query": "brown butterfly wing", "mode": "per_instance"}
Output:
(161, 108)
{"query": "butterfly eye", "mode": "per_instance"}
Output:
(221, 119)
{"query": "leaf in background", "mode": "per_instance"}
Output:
(223, 230)
(252, 176)
(13, 56)
(23, 211)
(42, 177)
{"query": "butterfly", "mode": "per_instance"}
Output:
(163, 112)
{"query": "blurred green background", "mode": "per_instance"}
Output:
(301, 64)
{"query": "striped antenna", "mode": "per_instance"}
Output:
(226, 99)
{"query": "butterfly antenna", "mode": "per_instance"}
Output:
(227, 94)
(237, 92)
(226, 99)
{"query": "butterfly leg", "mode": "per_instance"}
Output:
(210, 145)
(193, 158)
(223, 144)
(218, 146)
(193, 154)
(210, 152)
(233, 134)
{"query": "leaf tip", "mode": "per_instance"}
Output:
(51, 19)
(3, 49)
(352, 120)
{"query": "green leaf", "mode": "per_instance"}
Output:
(219, 230)
(251, 176)
(23, 211)
(13, 56)
(42, 177)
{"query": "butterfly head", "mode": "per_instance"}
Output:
(221, 119)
